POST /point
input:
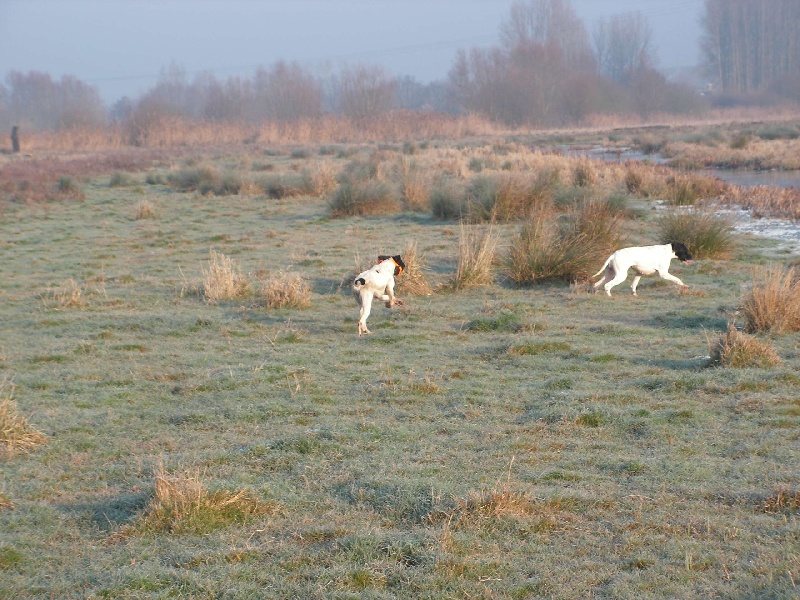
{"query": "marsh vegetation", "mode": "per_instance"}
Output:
(183, 352)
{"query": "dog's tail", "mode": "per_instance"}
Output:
(603, 268)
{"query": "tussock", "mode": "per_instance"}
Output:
(704, 233)
(413, 280)
(16, 434)
(773, 302)
(144, 210)
(476, 253)
(287, 290)
(739, 350)
(223, 280)
(183, 504)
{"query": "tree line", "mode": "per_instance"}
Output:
(753, 45)
(547, 69)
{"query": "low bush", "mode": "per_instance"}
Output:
(773, 301)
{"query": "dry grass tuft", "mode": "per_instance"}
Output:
(16, 434)
(773, 302)
(69, 295)
(144, 210)
(223, 280)
(287, 290)
(782, 501)
(739, 350)
(415, 186)
(547, 250)
(183, 504)
(483, 508)
(413, 280)
(476, 252)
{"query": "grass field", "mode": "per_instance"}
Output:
(490, 442)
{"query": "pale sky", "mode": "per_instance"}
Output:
(121, 46)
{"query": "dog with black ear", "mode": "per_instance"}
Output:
(377, 281)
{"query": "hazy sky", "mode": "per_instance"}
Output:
(121, 46)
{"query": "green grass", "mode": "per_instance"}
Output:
(490, 442)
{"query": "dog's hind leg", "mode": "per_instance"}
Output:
(619, 277)
(366, 307)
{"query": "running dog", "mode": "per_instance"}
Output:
(377, 281)
(644, 260)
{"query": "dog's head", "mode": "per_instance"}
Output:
(681, 252)
(399, 265)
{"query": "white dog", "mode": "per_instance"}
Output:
(379, 280)
(644, 260)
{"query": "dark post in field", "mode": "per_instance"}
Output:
(15, 138)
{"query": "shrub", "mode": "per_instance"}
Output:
(222, 280)
(16, 434)
(476, 252)
(739, 350)
(773, 302)
(287, 290)
(704, 233)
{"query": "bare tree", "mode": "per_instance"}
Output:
(38, 102)
(751, 45)
(365, 91)
(623, 45)
(548, 23)
(289, 92)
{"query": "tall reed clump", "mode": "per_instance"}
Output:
(16, 434)
(415, 185)
(287, 290)
(183, 504)
(413, 280)
(223, 280)
(739, 350)
(688, 189)
(773, 301)
(476, 254)
(545, 249)
(704, 233)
